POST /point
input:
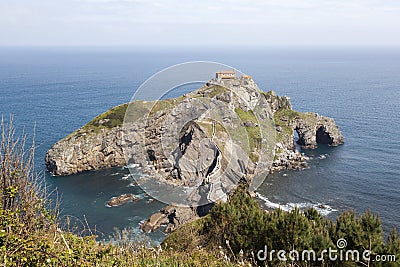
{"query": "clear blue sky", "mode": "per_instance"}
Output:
(203, 22)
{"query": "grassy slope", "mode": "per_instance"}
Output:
(253, 132)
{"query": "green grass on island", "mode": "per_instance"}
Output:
(253, 131)
(112, 118)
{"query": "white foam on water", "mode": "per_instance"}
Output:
(322, 209)
(141, 196)
(125, 177)
(132, 184)
(323, 156)
(132, 165)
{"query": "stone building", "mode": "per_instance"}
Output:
(225, 74)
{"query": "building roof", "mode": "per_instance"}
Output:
(226, 72)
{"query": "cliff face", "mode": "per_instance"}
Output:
(94, 146)
(224, 131)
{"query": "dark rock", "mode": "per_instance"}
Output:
(224, 97)
(284, 118)
(249, 124)
(170, 216)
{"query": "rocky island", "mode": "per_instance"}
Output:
(209, 139)
(121, 200)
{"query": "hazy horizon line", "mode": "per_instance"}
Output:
(192, 47)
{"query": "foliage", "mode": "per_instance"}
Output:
(109, 119)
(253, 132)
(283, 118)
(215, 90)
(241, 225)
(165, 104)
(209, 91)
(246, 115)
(286, 114)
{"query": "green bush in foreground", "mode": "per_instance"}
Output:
(241, 226)
(239, 229)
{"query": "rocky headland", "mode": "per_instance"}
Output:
(225, 131)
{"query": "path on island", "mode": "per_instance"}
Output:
(215, 193)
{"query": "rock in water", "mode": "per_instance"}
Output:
(121, 200)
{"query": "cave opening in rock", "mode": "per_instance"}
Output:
(300, 137)
(151, 154)
(323, 137)
(296, 141)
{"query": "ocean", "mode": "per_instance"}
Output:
(57, 90)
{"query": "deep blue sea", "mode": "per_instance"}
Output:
(61, 89)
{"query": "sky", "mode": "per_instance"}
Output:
(199, 23)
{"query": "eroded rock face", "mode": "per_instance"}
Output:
(86, 151)
(317, 130)
(290, 160)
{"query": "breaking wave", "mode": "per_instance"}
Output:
(323, 209)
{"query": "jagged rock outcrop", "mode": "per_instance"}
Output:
(316, 129)
(171, 217)
(312, 129)
(84, 151)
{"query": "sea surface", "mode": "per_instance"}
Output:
(57, 90)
